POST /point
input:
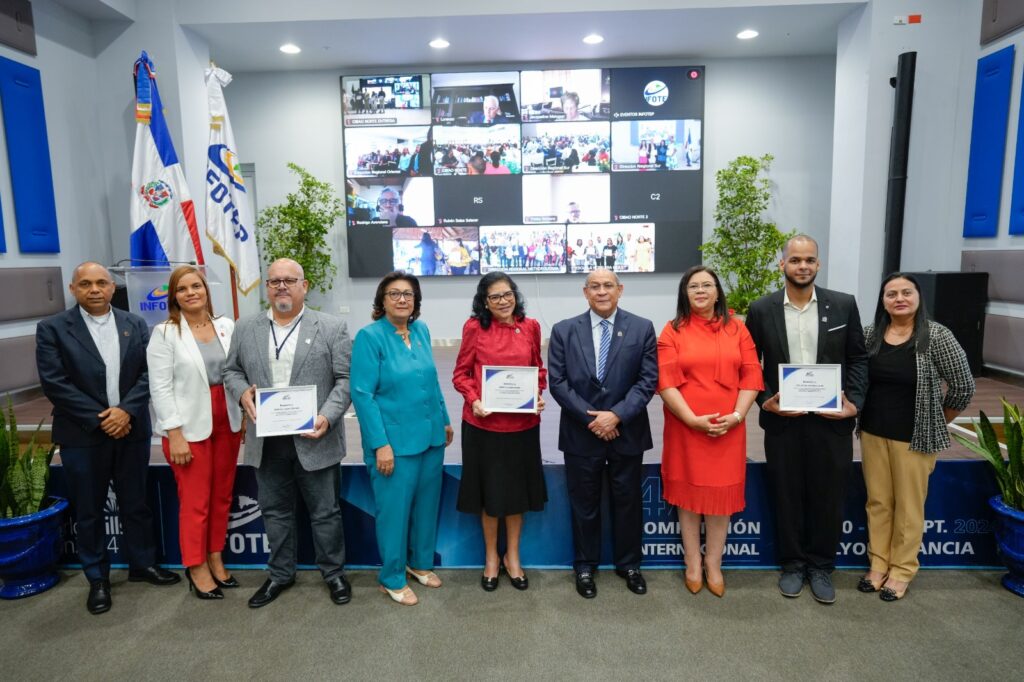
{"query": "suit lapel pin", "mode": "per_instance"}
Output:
(517, 330)
(824, 319)
(309, 341)
(619, 334)
(127, 333)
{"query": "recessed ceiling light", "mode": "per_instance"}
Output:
(593, 39)
(439, 43)
(747, 34)
(289, 48)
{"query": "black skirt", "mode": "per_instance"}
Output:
(502, 472)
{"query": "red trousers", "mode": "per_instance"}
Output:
(206, 485)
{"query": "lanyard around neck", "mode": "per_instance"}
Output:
(279, 347)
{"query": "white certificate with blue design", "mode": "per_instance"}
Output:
(811, 388)
(286, 411)
(510, 389)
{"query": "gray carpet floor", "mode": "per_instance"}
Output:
(952, 625)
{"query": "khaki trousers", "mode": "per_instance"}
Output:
(897, 483)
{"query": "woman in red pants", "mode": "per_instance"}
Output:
(201, 427)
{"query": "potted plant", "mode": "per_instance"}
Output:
(744, 246)
(298, 229)
(30, 522)
(1009, 506)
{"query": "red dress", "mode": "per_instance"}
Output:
(709, 365)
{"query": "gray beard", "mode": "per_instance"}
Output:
(282, 306)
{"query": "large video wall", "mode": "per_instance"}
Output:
(555, 171)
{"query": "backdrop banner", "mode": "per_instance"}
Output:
(958, 526)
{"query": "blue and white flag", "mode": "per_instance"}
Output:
(163, 217)
(228, 218)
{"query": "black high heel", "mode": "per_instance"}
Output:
(226, 584)
(215, 593)
(520, 583)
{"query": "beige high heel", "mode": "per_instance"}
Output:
(430, 579)
(404, 596)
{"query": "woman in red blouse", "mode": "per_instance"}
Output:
(502, 474)
(708, 377)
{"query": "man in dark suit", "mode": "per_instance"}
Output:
(92, 366)
(809, 455)
(603, 370)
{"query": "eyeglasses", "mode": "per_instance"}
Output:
(605, 286)
(503, 296)
(396, 295)
(701, 286)
(279, 282)
(388, 202)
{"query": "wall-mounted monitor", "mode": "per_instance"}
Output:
(536, 171)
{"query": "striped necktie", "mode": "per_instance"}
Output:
(606, 343)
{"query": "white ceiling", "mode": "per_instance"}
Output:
(657, 34)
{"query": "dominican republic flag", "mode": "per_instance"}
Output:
(163, 217)
(228, 219)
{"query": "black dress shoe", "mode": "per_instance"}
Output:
(154, 575)
(489, 584)
(585, 585)
(341, 591)
(226, 584)
(634, 580)
(268, 592)
(215, 593)
(99, 597)
(520, 583)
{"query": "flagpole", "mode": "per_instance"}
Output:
(234, 290)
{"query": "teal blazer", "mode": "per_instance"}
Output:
(395, 390)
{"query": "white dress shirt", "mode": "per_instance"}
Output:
(802, 329)
(103, 330)
(595, 330)
(281, 364)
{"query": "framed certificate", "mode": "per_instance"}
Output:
(811, 388)
(510, 389)
(286, 411)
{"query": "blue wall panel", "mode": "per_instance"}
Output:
(988, 143)
(28, 152)
(1017, 198)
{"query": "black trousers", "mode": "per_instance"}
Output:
(281, 478)
(584, 475)
(89, 471)
(808, 468)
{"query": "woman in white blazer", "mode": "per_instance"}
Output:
(201, 427)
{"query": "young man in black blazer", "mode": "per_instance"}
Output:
(92, 367)
(809, 455)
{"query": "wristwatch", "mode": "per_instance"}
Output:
(739, 417)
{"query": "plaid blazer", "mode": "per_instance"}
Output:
(945, 361)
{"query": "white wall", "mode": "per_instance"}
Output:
(64, 43)
(777, 106)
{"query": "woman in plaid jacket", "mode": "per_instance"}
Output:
(903, 426)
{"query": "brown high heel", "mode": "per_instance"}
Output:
(694, 586)
(717, 589)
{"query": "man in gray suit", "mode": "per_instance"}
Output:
(291, 345)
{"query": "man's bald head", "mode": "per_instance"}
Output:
(93, 287)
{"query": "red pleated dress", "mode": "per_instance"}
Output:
(709, 365)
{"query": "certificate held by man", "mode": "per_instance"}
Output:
(810, 388)
(286, 411)
(510, 389)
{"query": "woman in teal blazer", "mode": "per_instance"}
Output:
(405, 429)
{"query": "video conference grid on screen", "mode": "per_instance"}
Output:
(587, 168)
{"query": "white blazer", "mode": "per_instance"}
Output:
(178, 385)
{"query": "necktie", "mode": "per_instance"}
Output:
(606, 343)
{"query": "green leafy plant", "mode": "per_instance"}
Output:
(1009, 472)
(744, 247)
(23, 473)
(298, 229)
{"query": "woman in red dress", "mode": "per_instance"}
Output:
(502, 472)
(708, 377)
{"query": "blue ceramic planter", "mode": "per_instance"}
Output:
(1010, 541)
(29, 550)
